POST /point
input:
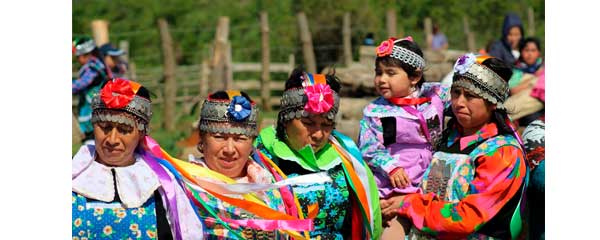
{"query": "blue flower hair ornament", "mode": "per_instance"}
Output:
(239, 108)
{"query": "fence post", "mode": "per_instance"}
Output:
(169, 74)
(217, 64)
(469, 35)
(204, 75)
(265, 88)
(428, 32)
(124, 45)
(307, 46)
(391, 23)
(292, 63)
(347, 41)
(100, 31)
(531, 22)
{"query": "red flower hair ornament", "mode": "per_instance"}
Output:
(117, 93)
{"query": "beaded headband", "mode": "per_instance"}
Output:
(314, 97)
(121, 95)
(469, 73)
(235, 115)
(388, 48)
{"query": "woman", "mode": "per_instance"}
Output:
(304, 143)
(92, 75)
(527, 85)
(235, 195)
(119, 190)
(473, 187)
(507, 47)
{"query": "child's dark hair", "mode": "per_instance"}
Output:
(393, 62)
(499, 116)
(295, 81)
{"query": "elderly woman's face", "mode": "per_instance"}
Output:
(116, 143)
(313, 130)
(227, 154)
(470, 110)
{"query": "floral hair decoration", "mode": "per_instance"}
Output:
(315, 97)
(236, 115)
(121, 95)
(469, 73)
(388, 48)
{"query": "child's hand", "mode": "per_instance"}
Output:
(399, 178)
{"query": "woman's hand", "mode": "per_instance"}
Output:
(390, 205)
(399, 178)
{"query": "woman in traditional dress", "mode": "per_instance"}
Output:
(305, 143)
(473, 188)
(119, 189)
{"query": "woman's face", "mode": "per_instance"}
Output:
(470, 110)
(116, 143)
(313, 130)
(393, 81)
(227, 154)
(109, 61)
(514, 36)
(530, 53)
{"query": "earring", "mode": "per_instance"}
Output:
(199, 147)
(413, 89)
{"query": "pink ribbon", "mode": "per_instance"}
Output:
(167, 185)
(273, 225)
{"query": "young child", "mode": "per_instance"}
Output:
(399, 129)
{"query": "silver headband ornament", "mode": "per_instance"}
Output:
(120, 95)
(237, 116)
(84, 47)
(314, 97)
(479, 79)
(388, 48)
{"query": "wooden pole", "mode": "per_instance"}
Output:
(307, 46)
(100, 31)
(531, 22)
(124, 45)
(217, 64)
(347, 41)
(292, 63)
(265, 88)
(205, 74)
(228, 67)
(391, 23)
(132, 71)
(169, 74)
(470, 36)
(428, 32)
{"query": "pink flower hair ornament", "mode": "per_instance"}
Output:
(387, 47)
(320, 98)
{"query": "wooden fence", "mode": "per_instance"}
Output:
(188, 85)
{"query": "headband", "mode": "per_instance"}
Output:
(235, 115)
(314, 97)
(469, 73)
(122, 95)
(388, 48)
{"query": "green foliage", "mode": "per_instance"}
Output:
(193, 22)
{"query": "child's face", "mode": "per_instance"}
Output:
(393, 81)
